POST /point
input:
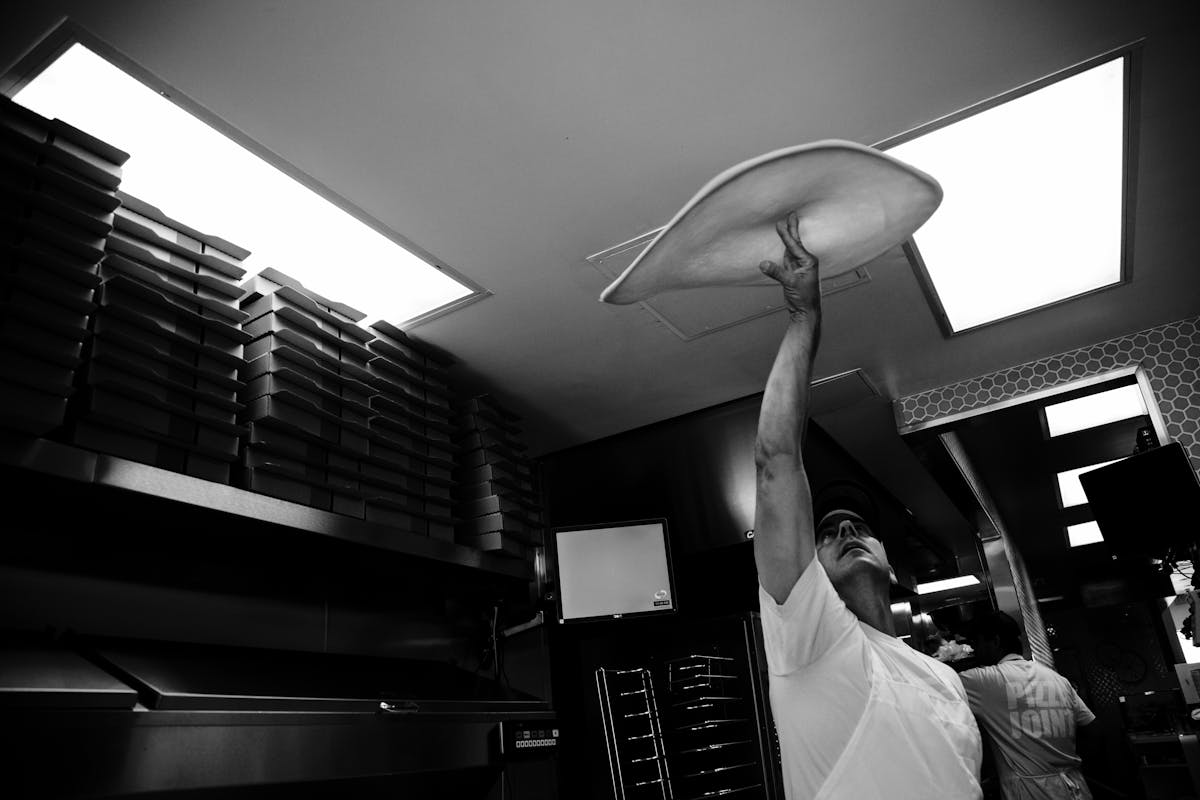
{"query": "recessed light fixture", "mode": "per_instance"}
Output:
(1069, 487)
(1096, 409)
(1084, 533)
(949, 583)
(1033, 206)
(207, 181)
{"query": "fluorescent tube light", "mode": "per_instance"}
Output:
(198, 176)
(1032, 212)
(1096, 409)
(948, 583)
(1069, 487)
(1084, 533)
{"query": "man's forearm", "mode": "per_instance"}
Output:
(784, 416)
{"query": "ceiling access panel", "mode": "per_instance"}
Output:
(693, 313)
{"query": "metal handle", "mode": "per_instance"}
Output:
(403, 707)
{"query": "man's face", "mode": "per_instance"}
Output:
(846, 544)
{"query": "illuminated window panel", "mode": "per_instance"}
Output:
(1033, 206)
(1096, 409)
(197, 175)
(947, 584)
(1069, 487)
(1084, 533)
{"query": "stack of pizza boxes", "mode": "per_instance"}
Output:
(58, 192)
(307, 396)
(496, 498)
(409, 474)
(160, 382)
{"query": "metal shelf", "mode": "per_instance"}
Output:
(726, 768)
(707, 724)
(695, 656)
(76, 464)
(707, 699)
(724, 792)
(719, 746)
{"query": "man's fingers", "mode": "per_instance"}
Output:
(770, 269)
(801, 255)
(788, 229)
(789, 232)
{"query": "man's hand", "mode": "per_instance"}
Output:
(798, 273)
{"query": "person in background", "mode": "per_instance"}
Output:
(1030, 714)
(860, 714)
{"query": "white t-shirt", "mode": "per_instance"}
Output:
(859, 713)
(1030, 713)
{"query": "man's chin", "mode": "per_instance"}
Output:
(856, 555)
(854, 562)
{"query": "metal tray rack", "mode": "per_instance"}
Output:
(712, 727)
(637, 757)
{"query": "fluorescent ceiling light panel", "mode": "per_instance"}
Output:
(1096, 409)
(1069, 487)
(948, 583)
(200, 177)
(1032, 212)
(1084, 533)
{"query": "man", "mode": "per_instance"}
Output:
(1030, 713)
(860, 714)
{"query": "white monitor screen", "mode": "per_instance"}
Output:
(607, 571)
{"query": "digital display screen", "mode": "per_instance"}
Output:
(607, 571)
(1138, 502)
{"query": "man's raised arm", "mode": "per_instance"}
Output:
(783, 518)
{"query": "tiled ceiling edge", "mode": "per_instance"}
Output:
(1169, 354)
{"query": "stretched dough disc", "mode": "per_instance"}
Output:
(855, 202)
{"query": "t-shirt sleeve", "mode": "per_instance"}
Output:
(975, 683)
(807, 625)
(1083, 714)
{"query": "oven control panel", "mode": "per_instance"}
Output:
(523, 737)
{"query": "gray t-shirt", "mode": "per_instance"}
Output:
(1030, 712)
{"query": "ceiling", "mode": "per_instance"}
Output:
(513, 140)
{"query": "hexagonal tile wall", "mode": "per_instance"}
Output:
(1169, 353)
